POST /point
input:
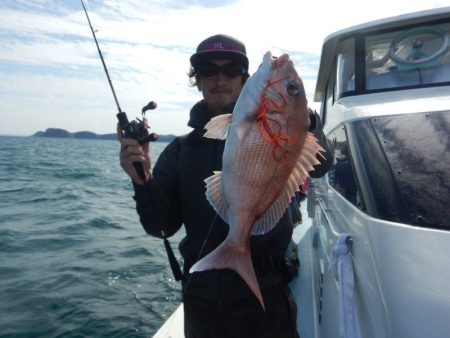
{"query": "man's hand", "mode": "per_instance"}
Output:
(131, 151)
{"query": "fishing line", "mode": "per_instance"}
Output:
(101, 58)
(201, 250)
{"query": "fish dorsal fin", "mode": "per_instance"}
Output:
(305, 163)
(214, 194)
(217, 127)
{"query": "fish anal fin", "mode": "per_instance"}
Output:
(217, 127)
(271, 217)
(240, 261)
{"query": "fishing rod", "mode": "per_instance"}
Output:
(137, 130)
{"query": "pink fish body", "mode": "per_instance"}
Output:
(267, 156)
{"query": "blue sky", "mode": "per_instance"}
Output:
(51, 74)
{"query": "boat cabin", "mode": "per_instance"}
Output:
(384, 89)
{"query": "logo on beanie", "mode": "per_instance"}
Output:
(220, 45)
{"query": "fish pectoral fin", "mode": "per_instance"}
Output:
(214, 194)
(217, 127)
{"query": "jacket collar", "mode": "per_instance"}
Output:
(200, 115)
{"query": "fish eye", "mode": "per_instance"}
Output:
(293, 89)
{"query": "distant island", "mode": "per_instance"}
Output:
(62, 133)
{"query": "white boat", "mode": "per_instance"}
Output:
(384, 89)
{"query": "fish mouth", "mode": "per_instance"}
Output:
(281, 60)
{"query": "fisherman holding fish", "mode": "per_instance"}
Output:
(229, 182)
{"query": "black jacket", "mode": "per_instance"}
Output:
(176, 196)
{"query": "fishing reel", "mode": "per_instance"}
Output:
(138, 129)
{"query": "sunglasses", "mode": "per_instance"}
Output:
(231, 69)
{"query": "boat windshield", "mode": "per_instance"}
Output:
(411, 57)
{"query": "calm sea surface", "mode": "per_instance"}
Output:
(74, 259)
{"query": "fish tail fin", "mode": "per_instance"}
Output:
(225, 257)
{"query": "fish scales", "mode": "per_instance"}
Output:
(263, 163)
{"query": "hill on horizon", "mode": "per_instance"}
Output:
(62, 133)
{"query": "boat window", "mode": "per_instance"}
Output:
(402, 167)
(378, 61)
(329, 97)
(345, 66)
(341, 174)
(409, 57)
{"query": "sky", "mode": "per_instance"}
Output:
(51, 75)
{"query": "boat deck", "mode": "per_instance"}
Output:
(302, 286)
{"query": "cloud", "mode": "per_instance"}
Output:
(51, 73)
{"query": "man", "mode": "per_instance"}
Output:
(217, 303)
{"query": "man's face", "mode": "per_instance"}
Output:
(220, 90)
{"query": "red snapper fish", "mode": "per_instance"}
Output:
(268, 153)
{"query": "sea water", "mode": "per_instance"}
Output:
(74, 259)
